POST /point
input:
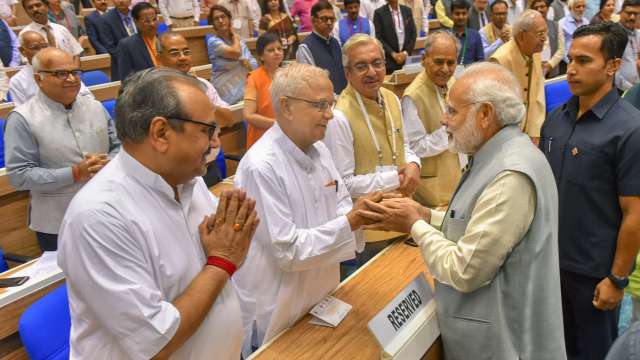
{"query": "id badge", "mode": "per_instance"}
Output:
(236, 24)
(385, 168)
(459, 71)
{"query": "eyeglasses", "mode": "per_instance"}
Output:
(212, 129)
(540, 34)
(219, 18)
(177, 53)
(321, 105)
(326, 19)
(63, 74)
(38, 47)
(377, 64)
(451, 111)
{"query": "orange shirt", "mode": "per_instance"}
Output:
(151, 48)
(261, 81)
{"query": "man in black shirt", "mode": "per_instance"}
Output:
(593, 145)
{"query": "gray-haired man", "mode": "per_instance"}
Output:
(495, 260)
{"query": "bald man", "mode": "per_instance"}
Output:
(22, 85)
(55, 142)
(174, 52)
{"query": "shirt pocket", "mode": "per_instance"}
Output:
(589, 167)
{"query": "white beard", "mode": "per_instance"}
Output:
(468, 139)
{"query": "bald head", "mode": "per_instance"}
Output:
(441, 39)
(57, 73)
(174, 51)
(47, 59)
(530, 32)
(440, 57)
(31, 43)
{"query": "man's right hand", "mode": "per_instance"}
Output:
(91, 164)
(505, 34)
(219, 234)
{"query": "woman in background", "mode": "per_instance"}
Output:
(258, 109)
(606, 13)
(229, 56)
(275, 19)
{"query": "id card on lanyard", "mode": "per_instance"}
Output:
(394, 152)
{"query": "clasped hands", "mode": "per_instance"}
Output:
(390, 211)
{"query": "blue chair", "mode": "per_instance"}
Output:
(556, 93)
(2, 121)
(110, 106)
(96, 77)
(222, 165)
(162, 27)
(45, 327)
(204, 22)
(3, 264)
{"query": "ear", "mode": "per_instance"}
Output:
(285, 109)
(37, 77)
(613, 66)
(22, 51)
(484, 115)
(160, 134)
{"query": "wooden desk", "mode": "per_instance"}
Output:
(368, 290)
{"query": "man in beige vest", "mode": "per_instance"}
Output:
(423, 105)
(497, 32)
(366, 136)
(521, 55)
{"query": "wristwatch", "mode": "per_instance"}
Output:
(619, 282)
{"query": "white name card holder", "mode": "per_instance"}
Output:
(407, 326)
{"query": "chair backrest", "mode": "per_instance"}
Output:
(2, 121)
(96, 77)
(556, 93)
(3, 264)
(222, 166)
(46, 325)
(162, 27)
(110, 106)
(204, 22)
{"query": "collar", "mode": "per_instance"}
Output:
(128, 16)
(54, 105)
(575, 21)
(600, 109)
(459, 36)
(306, 161)
(391, 9)
(43, 25)
(631, 33)
(325, 39)
(486, 151)
(152, 180)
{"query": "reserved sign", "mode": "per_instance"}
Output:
(399, 313)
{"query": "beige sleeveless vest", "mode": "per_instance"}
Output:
(439, 174)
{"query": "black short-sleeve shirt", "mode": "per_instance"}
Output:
(595, 160)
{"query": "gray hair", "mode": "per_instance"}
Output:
(494, 84)
(291, 80)
(147, 94)
(435, 35)
(358, 40)
(571, 3)
(166, 35)
(524, 22)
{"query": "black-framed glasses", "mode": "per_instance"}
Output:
(63, 74)
(211, 128)
(320, 105)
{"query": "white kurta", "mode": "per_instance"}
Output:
(128, 249)
(303, 234)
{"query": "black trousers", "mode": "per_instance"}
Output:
(47, 242)
(588, 332)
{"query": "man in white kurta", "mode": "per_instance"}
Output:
(132, 241)
(306, 214)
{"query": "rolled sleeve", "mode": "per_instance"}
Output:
(107, 272)
(22, 160)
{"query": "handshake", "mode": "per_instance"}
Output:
(386, 211)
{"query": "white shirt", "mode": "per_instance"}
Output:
(368, 7)
(5, 8)
(303, 234)
(339, 140)
(64, 39)
(4, 81)
(212, 93)
(128, 249)
(22, 86)
(179, 9)
(422, 143)
(514, 10)
(396, 16)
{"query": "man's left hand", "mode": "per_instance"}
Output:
(607, 296)
(411, 178)
(396, 214)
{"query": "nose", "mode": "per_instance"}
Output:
(215, 141)
(445, 119)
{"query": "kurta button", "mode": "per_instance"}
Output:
(525, 89)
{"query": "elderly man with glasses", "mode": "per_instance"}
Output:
(367, 137)
(55, 142)
(147, 256)
(22, 85)
(521, 55)
(308, 225)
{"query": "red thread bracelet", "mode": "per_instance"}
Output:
(223, 264)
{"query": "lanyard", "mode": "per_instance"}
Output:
(394, 153)
(464, 47)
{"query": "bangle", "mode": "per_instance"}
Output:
(75, 172)
(223, 264)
